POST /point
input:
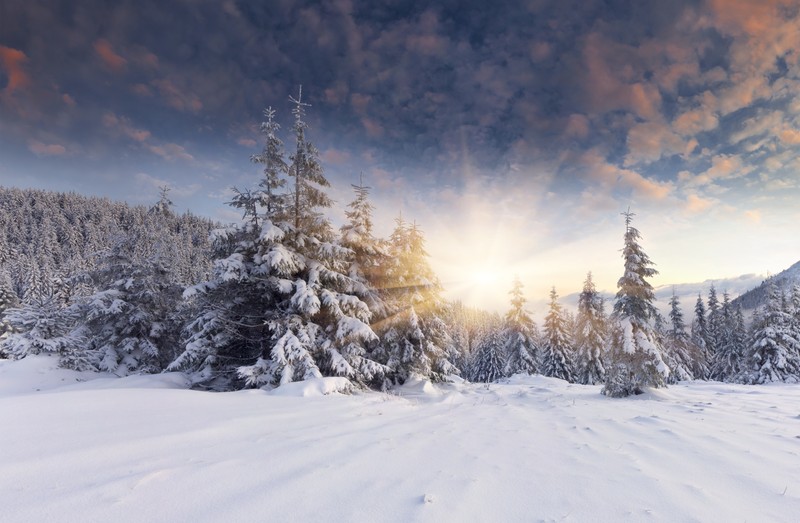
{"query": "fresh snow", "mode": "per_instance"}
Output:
(144, 448)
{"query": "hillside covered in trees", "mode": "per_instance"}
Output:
(283, 296)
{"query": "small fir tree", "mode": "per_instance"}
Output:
(520, 344)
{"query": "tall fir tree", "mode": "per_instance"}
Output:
(367, 255)
(279, 306)
(414, 338)
(726, 362)
(557, 361)
(271, 200)
(699, 338)
(679, 351)
(590, 335)
(522, 352)
(636, 355)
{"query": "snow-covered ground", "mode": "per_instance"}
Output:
(532, 449)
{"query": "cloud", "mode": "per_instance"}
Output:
(170, 151)
(11, 61)
(753, 216)
(246, 142)
(179, 99)
(123, 125)
(175, 189)
(42, 149)
(609, 176)
(649, 141)
(106, 53)
(724, 167)
(696, 204)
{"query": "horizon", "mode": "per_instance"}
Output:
(513, 135)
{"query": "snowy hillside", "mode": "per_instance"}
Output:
(531, 449)
(757, 296)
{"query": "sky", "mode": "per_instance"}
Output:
(513, 133)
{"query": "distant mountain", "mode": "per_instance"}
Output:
(687, 292)
(757, 296)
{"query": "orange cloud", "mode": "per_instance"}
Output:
(754, 18)
(106, 53)
(697, 204)
(42, 149)
(11, 61)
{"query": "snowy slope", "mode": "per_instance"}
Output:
(532, 449)
(757, 296)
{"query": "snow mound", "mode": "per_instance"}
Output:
(38, 373)
(314, 387)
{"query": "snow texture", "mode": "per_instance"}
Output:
(142, 448)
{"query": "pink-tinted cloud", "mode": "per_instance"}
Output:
(696, 204)
(141, 90)
(372, 127)
(170, 152)
(11, 61)
(70, 101)
(649, 141)
(577, 126)
(43, 149)
(106, 53)
(335, 156)
(176, 98)
(246, 142)
(124, 126)
(609, 176)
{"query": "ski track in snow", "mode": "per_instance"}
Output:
(531, 449)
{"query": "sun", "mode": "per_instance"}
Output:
(483, 277)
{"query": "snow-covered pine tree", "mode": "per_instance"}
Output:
(590, 335)
(522, 352)
(713, 325)
(488, 364)
(556, 344)
(164, 205)
(726, 362)
(414, 338)
(278, 307)
(636, 356)
(270, 197)
(679, 350)
(8, 300)
(43, 326)
(366, 252)
(774, 345)
(131, 319)
(699, 338)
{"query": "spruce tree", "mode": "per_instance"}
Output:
(590, 336)
(366, 255)
(699, 338)
(727, 359)
(520, 344)
(271, 200)
(557, 346)
(636, 356)
(679, 349)
(488, 364)
(774, 346)
(414, 338)
(279, 306)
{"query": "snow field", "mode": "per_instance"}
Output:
(530, 449)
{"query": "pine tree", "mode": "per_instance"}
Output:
(636, 356)
(773, 351)
(131, 319)
(521, 350)
(557, 353)
(414, 338)
(366, 255)
(488, 364)
(726, 362)
(699, 338)
(679, 350)
(279, 307)
(590, 337)
(713, 325)
(271, 157)
(43, 326)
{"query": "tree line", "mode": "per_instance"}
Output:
(283, 296)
